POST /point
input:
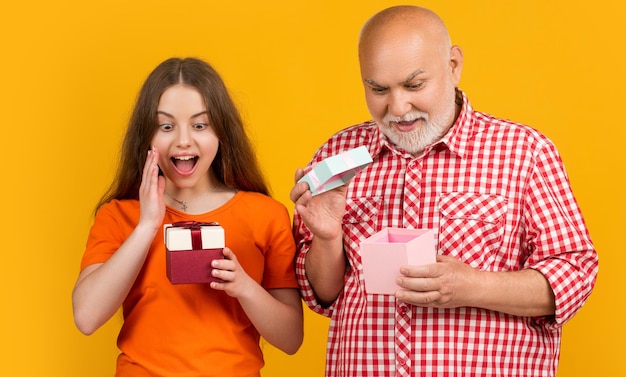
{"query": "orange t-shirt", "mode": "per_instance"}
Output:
(191, 329)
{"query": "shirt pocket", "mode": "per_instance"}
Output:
(359, 222)
(471, 227)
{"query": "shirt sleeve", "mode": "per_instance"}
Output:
(105, 236)
(303, 242)
(557, 239)
(279, 269)
(303, 238)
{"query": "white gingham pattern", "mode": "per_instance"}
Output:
(499, 197)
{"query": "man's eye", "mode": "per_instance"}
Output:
(415, 86)
(379, 90)
(166, 126)
(200, 126)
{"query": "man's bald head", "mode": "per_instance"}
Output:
(404, 21)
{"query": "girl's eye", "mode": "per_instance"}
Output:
(200, 126)
(166, 127)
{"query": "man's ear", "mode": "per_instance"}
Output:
(456, 63)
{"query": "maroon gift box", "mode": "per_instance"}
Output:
(190, 247)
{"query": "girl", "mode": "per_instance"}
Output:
(186, 157)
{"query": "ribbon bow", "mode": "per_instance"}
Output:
(196, 234)
(196, 225)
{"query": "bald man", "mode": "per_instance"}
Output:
(515, 260)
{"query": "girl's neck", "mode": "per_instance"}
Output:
(191, 193)
(198, 200)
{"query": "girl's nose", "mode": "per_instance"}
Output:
(184, 136)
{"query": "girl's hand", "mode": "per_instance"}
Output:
(235, 280)
(276, 314)
(151, 191)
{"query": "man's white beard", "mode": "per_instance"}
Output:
(417, 140)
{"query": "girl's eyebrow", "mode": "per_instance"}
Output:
(160, 112)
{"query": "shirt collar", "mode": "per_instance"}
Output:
(456, 139)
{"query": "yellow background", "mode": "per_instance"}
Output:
(70, 71)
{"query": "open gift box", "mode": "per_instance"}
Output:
(336, 170)
(190, 247)
(385, 252)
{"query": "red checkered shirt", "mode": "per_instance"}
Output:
(498, 195)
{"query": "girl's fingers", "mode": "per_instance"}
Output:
(149, 163)
(150, 170)
(228, 263)
(146, 169)
(154, 165)
(222, 274)
(152, 205)
(228, 254)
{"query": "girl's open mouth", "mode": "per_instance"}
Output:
(184, 164)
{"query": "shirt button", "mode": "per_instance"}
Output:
(402, 363)
(403, 309)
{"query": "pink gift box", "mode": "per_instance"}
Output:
(385, 252)
(190, 247)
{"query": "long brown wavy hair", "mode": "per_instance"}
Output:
(235, 164)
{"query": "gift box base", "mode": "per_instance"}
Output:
(384, 253)
(191, 266)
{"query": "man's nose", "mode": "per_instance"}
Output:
(399, 103)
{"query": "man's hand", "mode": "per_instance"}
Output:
(450, 283)
(445, 284)
(322, 213)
